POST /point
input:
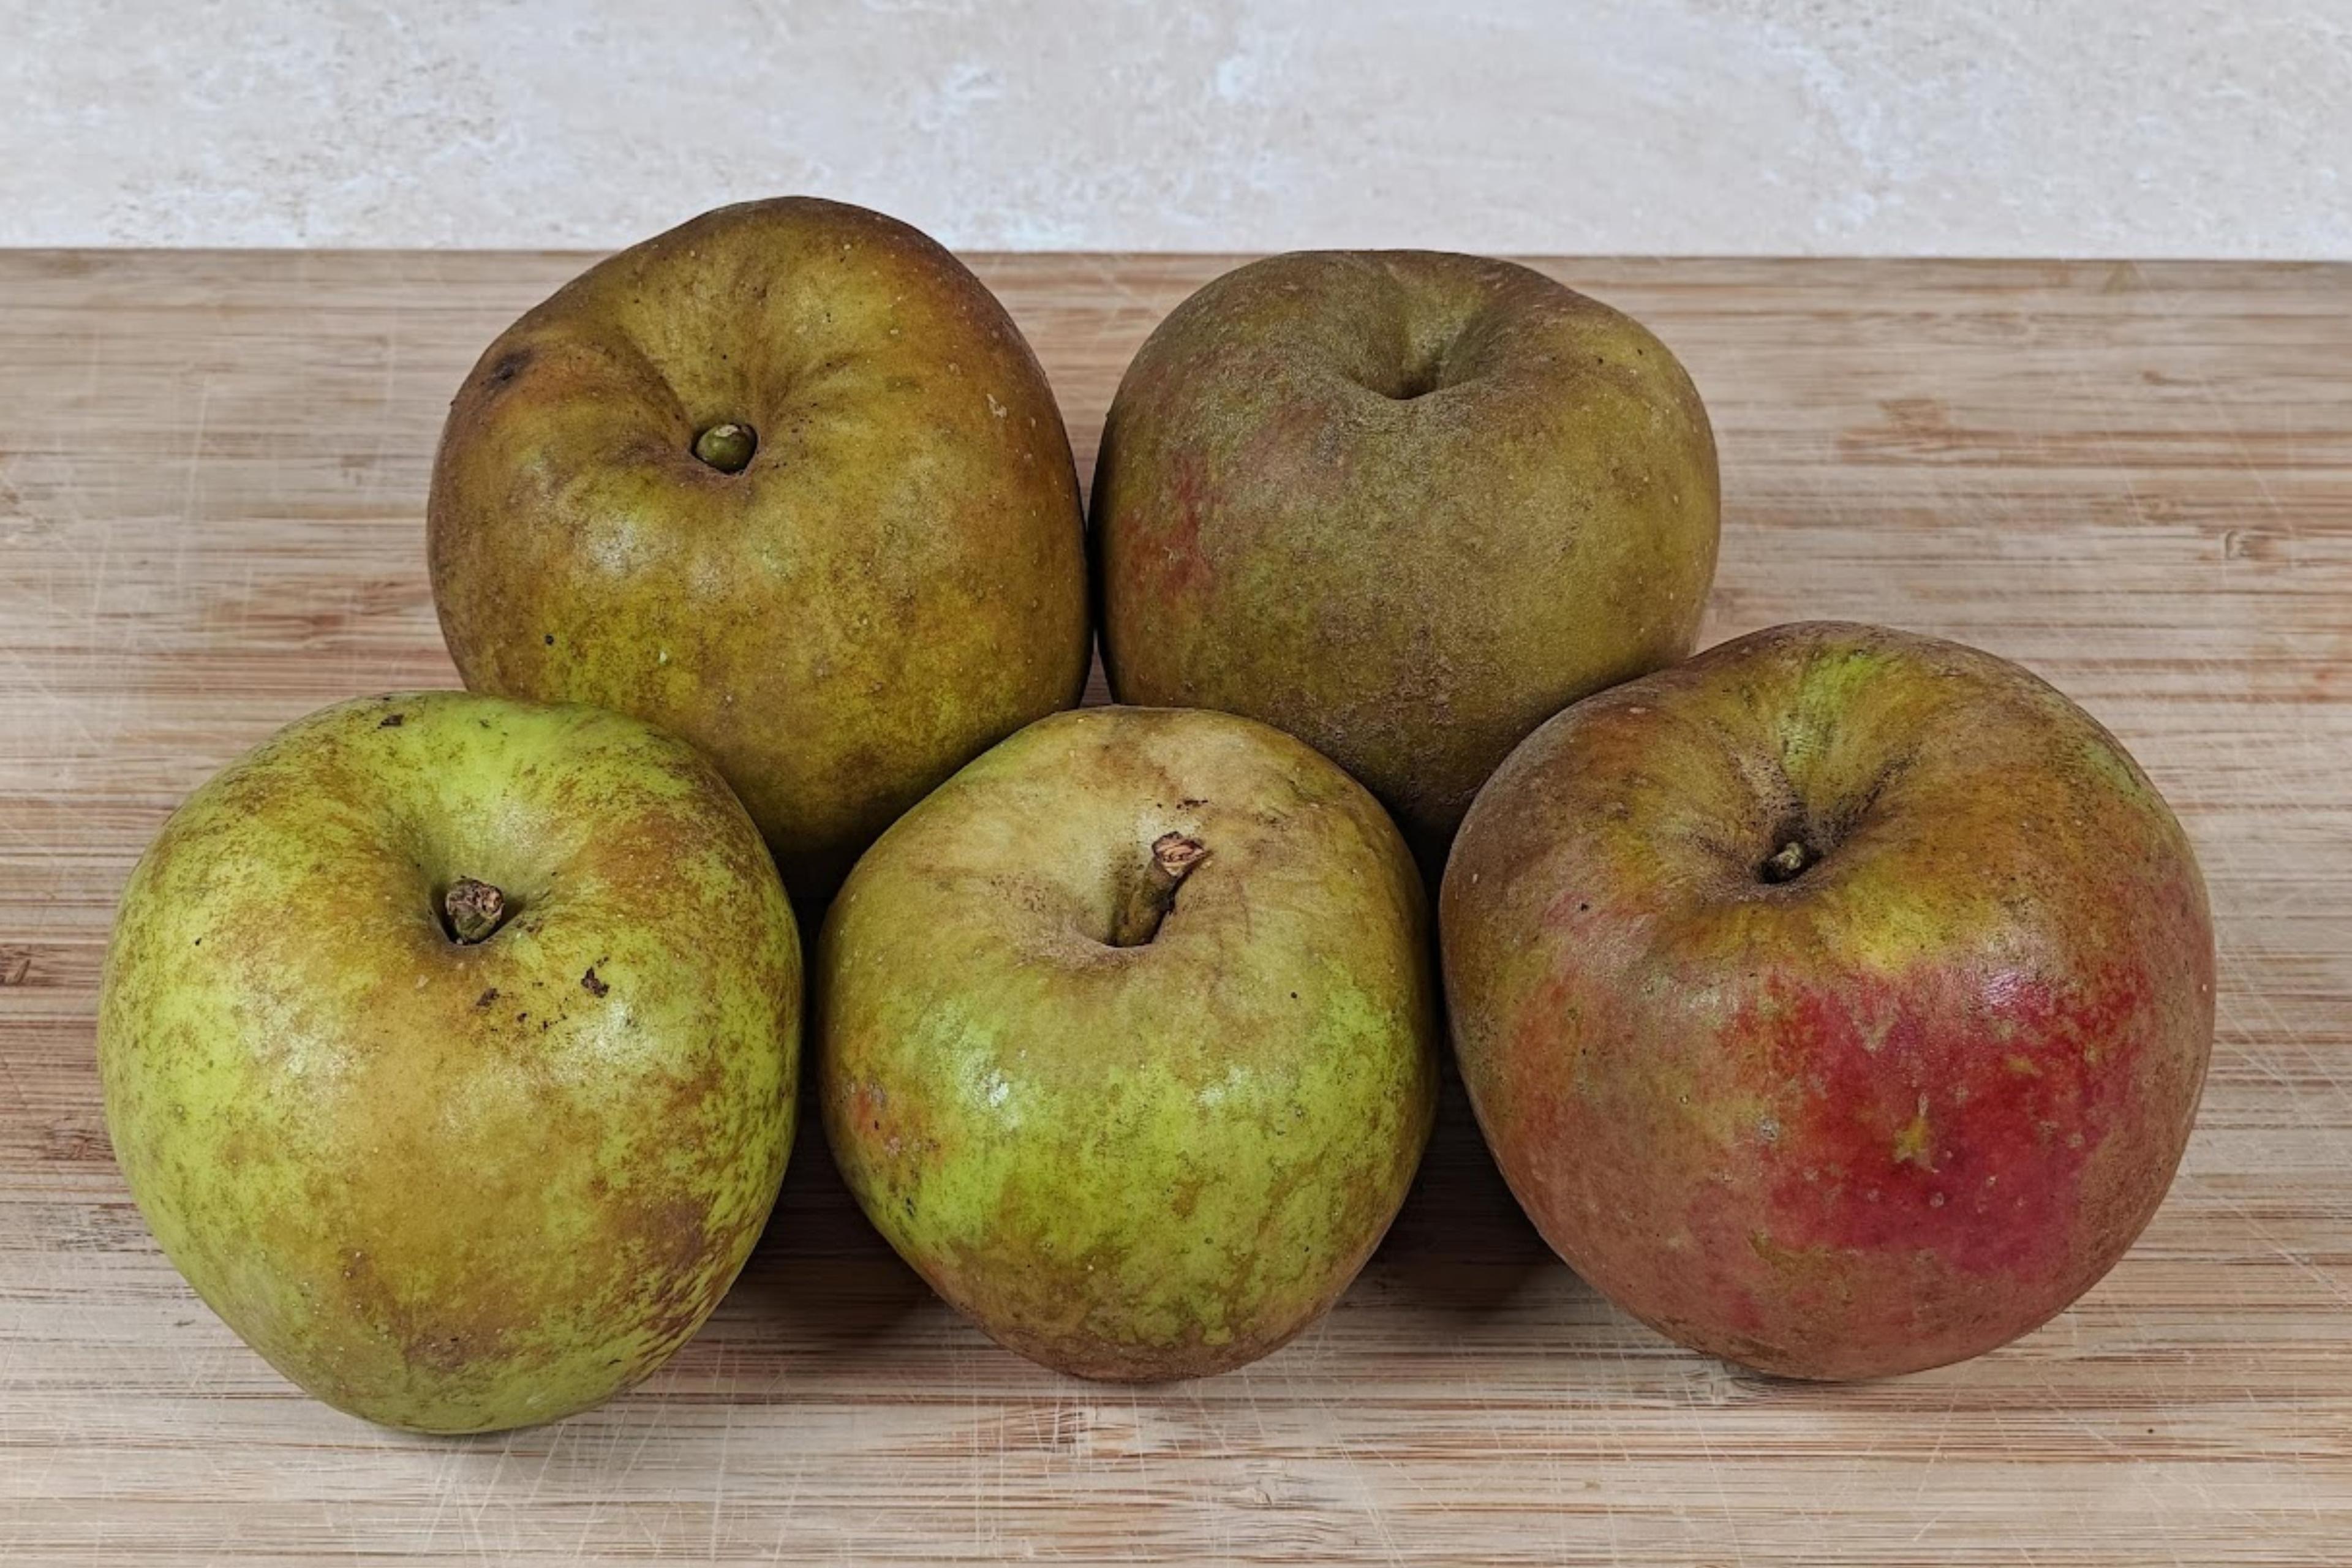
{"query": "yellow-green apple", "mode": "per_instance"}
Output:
(787, 481)
(1837, 1002)
(449, 1045)
(1404, 505)
(1126, 1038)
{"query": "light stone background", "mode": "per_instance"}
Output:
(1977, 127)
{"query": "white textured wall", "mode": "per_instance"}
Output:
(2138, 127)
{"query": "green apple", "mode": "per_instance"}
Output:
(1405, 505)
(1836, 1001)
(787, 482)
(449, 1045)
(1127, 1038)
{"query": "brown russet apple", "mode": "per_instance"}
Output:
(1836, 1001)
(1128, 1038)
(450, 1046)
(787, 482)
(1404, 505)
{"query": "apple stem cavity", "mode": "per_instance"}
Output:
(474, 909)
(728, 447)
(1147, 899)
(1789, 862)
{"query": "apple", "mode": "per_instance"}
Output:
(1404, 505)
(449, 1047)
(1127, 1038)
(1836, 1003)
(787, 482)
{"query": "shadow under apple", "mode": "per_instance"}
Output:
(1461, 1249)
(821, 1279)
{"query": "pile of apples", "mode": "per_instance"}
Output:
(1837, 1001)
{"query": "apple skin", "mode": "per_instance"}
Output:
(1404, 505)
(1890, 1113)
(1147, 1162)
(895, 582)
(455, 1187)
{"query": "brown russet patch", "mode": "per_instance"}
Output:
(666, 1245)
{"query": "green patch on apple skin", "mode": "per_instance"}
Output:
(1081, 1156)
(2113, 767)
(1825, 697)
(450, 1187)
(1140, 1161)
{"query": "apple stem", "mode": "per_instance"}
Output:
(474, 909)
(727, 447)
(1148, 898)
(1790, 862)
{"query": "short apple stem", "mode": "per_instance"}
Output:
(1789, 862)
(727, 447)
(474, 909)
(1148, 897)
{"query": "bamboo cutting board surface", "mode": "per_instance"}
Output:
(2138, 479)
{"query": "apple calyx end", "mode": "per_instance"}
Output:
(472, 910)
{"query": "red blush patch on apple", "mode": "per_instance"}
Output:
(1948, 1111)
(900, 1129)
(1178, 567)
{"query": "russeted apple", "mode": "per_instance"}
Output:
(448, 1046)
(1404, 505)
(787, 481)
(1127, 1038)
(1837, 1002)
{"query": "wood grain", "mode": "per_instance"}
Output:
(2135, 478)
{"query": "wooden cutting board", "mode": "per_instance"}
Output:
(2135, 478)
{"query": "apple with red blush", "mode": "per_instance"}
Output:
(1836, 1001)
